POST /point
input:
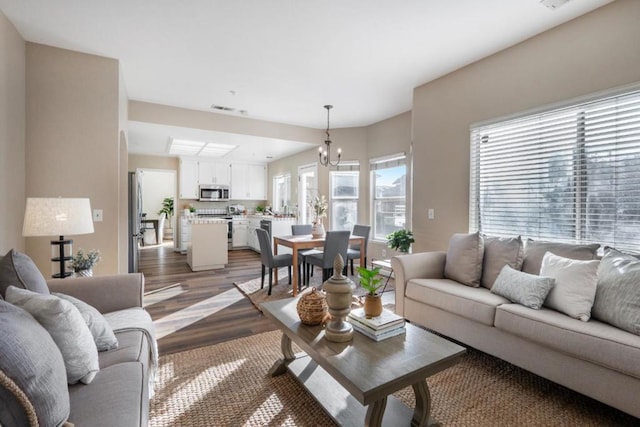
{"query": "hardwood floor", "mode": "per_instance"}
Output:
(194, 309)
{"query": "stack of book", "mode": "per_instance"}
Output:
(387, 325)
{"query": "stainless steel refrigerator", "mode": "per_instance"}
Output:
(135, 220)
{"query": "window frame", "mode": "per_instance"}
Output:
(387, 162)
(346, 168)
(594, 141)
(275, 198)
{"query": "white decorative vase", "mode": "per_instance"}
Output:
(317, 230)
(87, 272)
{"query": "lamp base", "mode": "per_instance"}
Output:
(62, 257)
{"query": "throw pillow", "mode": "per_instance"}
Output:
(534, 252)
(67, 328)
(618, 292)
(522, 288)
(17, 269)
(464, 259)
(575, 287)
(100, 329)
(498, 252)
(33, 362)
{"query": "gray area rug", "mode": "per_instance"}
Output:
(227, 385)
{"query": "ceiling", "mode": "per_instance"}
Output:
(282, 60)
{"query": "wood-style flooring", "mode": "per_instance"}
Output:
(195, 309)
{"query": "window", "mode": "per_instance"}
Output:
(388, 184)
(344, 184)
(281, 193)
(571, 174)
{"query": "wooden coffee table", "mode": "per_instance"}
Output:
(354, 381)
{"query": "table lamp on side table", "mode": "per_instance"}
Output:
(49, 216)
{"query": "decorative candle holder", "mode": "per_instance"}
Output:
(339, 290)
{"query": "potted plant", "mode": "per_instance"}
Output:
(167, 211)
(319, 207)
(371, 281)
(82, 264)
(400, 240)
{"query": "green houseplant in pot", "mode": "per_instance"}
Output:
(400, 240)
(371, 281)
(82, 263)
(167, 210)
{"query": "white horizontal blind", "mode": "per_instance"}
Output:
(571, 174)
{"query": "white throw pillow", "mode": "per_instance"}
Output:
(68, 329)
(575, 288)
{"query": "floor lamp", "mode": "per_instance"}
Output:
(58, 217)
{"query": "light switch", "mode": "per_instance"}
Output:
(431, 214)
(97, 215)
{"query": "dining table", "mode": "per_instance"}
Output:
(307, 242)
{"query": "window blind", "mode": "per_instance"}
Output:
(571, 174)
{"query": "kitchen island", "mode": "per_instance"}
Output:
(209, 244)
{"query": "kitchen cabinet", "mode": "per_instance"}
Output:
(240, 234)
(252, 236)
(188, 175)
(214, 172)
(248, 181)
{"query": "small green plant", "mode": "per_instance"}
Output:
(400, 240)
(259, 208)
(84, 261)
(370, 279)
(167, 208)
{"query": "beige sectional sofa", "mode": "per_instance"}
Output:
(592, 357)
(33, 386)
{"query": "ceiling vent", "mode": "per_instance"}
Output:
(222, 108)
(553, 4)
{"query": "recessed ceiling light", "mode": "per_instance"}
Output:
(185, 147)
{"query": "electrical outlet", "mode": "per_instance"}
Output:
(97, 215)
(431, 214)
(384, 252)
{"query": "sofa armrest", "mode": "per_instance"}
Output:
(105, 293)
(423, 265)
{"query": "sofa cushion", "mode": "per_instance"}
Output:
(617, 300)
(593, 341)
(464, 259)
(522, 288)
(534, 252)
(133, 347)
(498, 252)
(477, 304)
(32, 361)
(118, 394)
(100, 329)
(67, 328)
(575, 287)
(17, 269)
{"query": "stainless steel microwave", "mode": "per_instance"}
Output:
(213, 193)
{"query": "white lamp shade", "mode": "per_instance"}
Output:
(57, 217)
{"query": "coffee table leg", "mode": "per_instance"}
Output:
(375, 411)
(280, 367)
(423, 404)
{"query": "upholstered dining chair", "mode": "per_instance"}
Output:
(269, 260)
(354, 250)
(336, 242)
(303, 230)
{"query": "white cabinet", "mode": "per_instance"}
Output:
(248, 181)
(240, 236)
(188, 185)
(184, 233)
(208, 248)
(252, 236)
(214, 172)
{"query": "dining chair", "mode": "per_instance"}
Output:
(354, 250)
(336, 242)
(269, 260)
(302, 230)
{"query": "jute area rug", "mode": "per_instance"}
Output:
(251, 288)
(227, 385)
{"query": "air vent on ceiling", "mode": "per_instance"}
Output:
(222, 108)
(553, 4)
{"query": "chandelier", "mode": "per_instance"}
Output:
(324, 155)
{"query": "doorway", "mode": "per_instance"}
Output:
(307, 190)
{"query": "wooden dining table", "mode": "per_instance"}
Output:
(307, 242)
